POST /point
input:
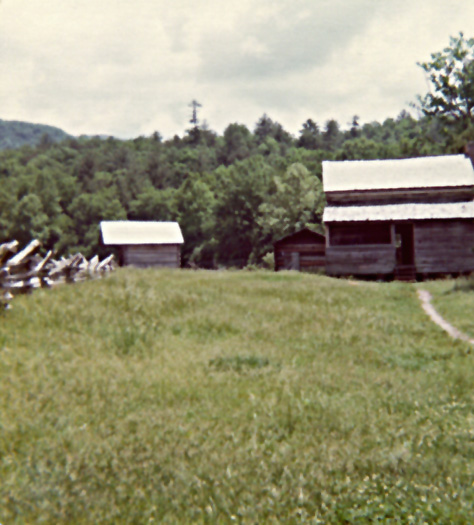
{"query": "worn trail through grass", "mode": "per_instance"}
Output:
(425, 298)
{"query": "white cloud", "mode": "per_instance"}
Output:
(129, 68)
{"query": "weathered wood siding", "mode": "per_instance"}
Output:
(440, 247)
(444, 246)
(144, 255)
(309, 255)
(300, 251)
(368, 259)
(356, 248)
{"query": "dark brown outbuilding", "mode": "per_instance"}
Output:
(144, 243)
(402, 218)
(302, 250)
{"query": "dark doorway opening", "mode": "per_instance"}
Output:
(404, 241)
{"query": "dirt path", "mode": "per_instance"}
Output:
(425, 298)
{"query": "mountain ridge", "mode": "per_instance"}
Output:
(15, 134)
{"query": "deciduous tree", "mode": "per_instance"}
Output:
(451, 74)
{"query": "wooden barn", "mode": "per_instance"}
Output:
(402, 219)
(302, 250)
(144, 243)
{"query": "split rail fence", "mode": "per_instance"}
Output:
(24, 271)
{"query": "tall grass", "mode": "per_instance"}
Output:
(232, 397)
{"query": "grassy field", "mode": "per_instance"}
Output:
(455, 302)
(234, 397)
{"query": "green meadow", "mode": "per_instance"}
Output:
(160, 396)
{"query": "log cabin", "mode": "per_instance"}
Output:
(303, 250)
(144, 243)
(403, 219)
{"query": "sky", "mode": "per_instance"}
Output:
(123, 68)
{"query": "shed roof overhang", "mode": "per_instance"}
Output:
(121, 233)
(399, 212)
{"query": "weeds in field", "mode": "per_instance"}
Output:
(239, 363)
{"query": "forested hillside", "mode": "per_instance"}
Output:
(233, 194)
(14, 134)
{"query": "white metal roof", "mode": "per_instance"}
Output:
(421, 172)
(400, 212)
(141, 232)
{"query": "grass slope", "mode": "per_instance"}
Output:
(227, 397)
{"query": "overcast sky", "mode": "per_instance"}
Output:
(127, 68)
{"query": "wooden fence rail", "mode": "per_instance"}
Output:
(24, 271)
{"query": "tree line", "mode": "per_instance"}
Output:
(233, 194)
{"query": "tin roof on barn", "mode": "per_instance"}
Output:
(400, 212)
(141, 232)
(422, 172)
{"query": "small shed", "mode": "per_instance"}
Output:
(304, 249)
(402, 218)
(144, 243)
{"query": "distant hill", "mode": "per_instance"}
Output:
(14, 134)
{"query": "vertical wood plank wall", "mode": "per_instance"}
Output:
(145, 255)
(367, 259)
(360, 259)
(444, 246)
(440, 247)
